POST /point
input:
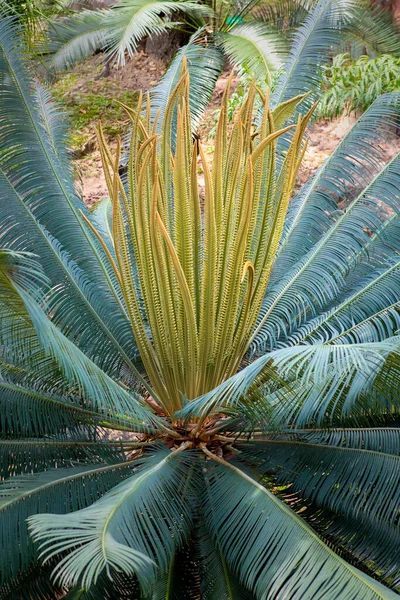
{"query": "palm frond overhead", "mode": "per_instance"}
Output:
(115, 31)
(131, 20)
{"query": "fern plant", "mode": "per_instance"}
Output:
(352, 86)
(198, 396)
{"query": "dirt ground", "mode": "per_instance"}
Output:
(90, 98)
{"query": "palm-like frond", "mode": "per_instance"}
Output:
(368, 479)
(34, 455)
(53, 226)
(131, 20)
(243, 534)
(91, 383)
(116, 31)
(357, 158)
(365, 498)
(60, 490)
(284, 15)
(321, 380)
(204, 64)
(372, 31)
(379, 439)
(255, 48)
(218, 582)
(76, 37)
(140, 521)
(33, 584)
(290, 302)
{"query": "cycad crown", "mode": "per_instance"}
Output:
(196, 274)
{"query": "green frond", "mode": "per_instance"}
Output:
(132, 529)
(204, 64)
(372, 30)
(30, 411)
(316, 280)
(61, 490)
(115, 31)
(131, 20)
(53, 121)
(246, 519)
(322, 381)
(378, 439)
(76, 37)
(18, 457)
(353, 482)
(255, 48)
(312, 45)
(100, 393)
(27, 144)
(32, 584)
(182, 579)
(43, 204)
(369, 314)
(357, 158)
(103, 392)
(218, 582)
(356, 485)
(284, 16)
(121, 586)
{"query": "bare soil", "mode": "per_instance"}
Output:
(90, 98)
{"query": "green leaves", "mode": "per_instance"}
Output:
(115, 31)
(262, 540)
(204, 64)
(140, 521)
(60, 490)
(353, 86)
(255, 48)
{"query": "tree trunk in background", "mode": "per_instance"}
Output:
(396, 10)
(165, 45)
(76, 4)
(392, 5)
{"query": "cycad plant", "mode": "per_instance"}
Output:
(199, 394)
